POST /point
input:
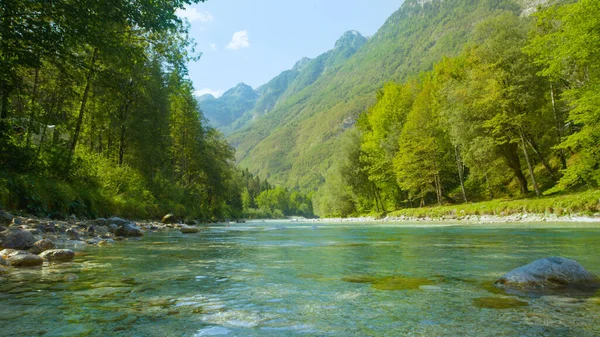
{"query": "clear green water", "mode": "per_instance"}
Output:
(264, 279)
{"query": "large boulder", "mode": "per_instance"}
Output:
(16, 238)
(128, 230)
(117, 221)
(58, 255)
(24, 259)
(551, 273)
(5, 218)
(42, 246)
(169, 219)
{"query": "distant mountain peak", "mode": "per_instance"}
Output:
(241, 89)
(350, 39)
(300, 64)
(206, 97)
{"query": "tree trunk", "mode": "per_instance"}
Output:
(82, 106)
(510, 155)
(559, 127)
(489, 186)
(461, 172)
(32, 113)
(5, 69)
(536, 150)
(3, 99)
(529, 166)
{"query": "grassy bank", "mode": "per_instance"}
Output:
(583, 203)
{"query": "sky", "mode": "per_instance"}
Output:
(254, 41)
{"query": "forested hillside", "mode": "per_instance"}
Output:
(98, 118)
(295, 143)
(240, 106)
(514, 114)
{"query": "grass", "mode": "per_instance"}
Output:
(582, 203)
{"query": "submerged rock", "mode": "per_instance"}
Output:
(58, 255)
(169, 219)
(128, 230)
(16, 238)
(42, 246)
(400, 283)
(552, 273)
(3, 271)
(22, 258)
(3, 262)
(498, 303)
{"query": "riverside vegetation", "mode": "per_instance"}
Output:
(515, 114)
(462, 101)
(98, 118)
(102, 121)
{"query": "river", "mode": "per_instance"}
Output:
(306, 279)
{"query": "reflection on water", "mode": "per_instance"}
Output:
(281, 279)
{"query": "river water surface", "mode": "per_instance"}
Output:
(306, 279)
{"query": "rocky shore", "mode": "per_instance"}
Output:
(35, 242)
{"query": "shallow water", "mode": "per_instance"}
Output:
(295, 279)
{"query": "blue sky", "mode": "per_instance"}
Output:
(253, 41)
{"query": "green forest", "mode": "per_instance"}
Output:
(98, 115)
(98, 118)
(515, 114)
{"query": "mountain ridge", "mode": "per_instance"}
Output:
(293, 143)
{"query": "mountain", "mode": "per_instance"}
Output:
(227, 114)
(294, 143)
(223, 111)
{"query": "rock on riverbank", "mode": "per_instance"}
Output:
(23, 238)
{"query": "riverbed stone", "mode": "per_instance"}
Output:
(552, 273)
(70, 330)
(5, 218)
(129, 230)
(3, 262)
(169, 219)
(5, 252)
(73, 234)
(58, 255)
(117, 221)
(3, 271)
(16, 238)
(16, 222)
(22, 258)
(42, 246)
(185, 229)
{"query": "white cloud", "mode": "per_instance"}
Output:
(192, 14)
(216, 93)
(213, 46)
(239, 40)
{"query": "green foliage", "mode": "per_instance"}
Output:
(261, 200)
(98, 116)
(296, 143)
(487, 123)
(566, 43)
